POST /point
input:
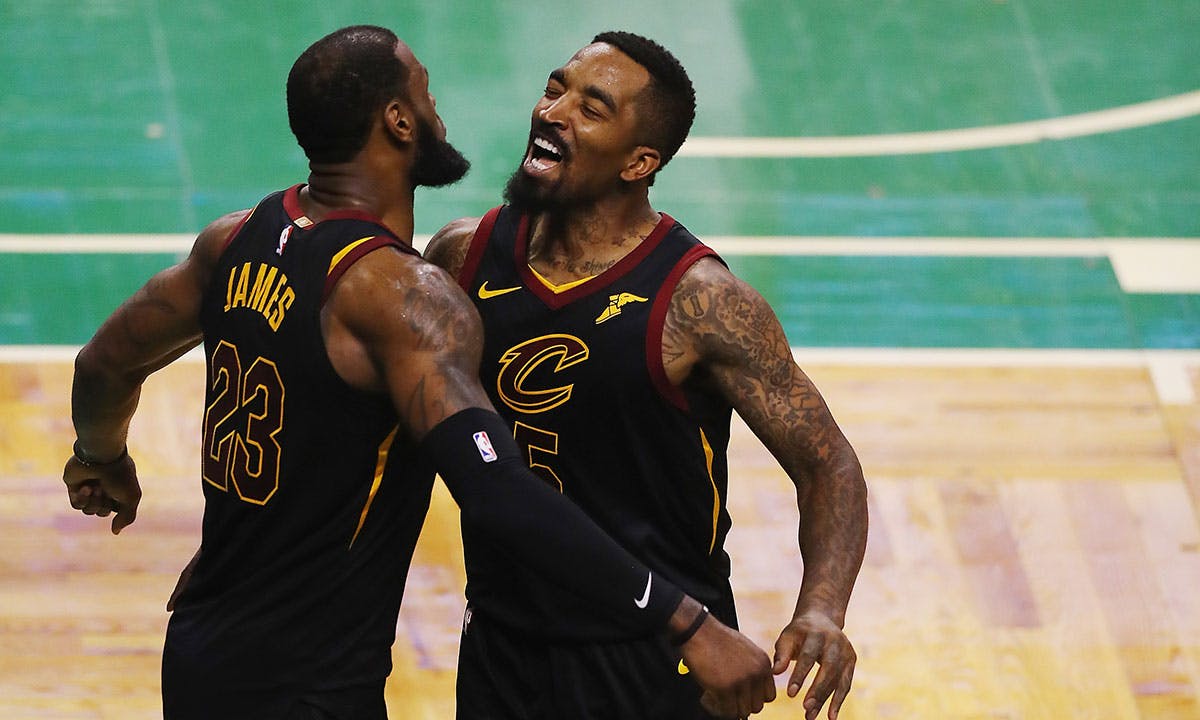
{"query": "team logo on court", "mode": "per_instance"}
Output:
(526, 381)
(615, 303)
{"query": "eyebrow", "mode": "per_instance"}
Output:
(592, 91)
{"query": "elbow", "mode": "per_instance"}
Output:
(90, 365)
(96, 367)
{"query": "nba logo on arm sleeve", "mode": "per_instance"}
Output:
(484, 443)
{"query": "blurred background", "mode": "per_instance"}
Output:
(979, 221)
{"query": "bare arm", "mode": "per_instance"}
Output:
(402, 326)
(723, 334)
(160, 322)
(398, 325)
(448, 247)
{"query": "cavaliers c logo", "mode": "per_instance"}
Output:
(518, 363)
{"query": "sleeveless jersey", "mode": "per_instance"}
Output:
(579, 377)
(313, 500)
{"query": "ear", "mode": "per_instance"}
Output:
(642, 164)
(398, 122)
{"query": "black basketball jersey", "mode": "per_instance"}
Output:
(579, 376)
(306, 540)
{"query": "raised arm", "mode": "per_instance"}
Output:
(160, 322)
(402, 326)
(721, 333)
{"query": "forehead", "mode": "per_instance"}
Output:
(409, 60)
(606, 67)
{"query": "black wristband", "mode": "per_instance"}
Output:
(92, 463)
(692, 629)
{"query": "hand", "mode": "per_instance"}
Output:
(734, 672)
(102, 489)
(815, 638)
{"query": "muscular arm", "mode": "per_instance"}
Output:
(160, 322)
(448, 247)
(722, 334)
(401, 325)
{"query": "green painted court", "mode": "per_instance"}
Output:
(148, 119)
(978, 220)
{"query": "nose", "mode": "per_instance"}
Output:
(552, 112)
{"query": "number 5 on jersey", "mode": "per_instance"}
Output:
(539, 446)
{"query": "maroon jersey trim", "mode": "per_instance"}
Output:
(466, 274)
(237, 229)
(291, 204)
(657, 321)
(554, 300)
(370, 244)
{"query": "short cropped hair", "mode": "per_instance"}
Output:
(335, 87)
(669, 102)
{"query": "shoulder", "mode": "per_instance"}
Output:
(393, 319)
(209, 245)
(448, 247)
(389, 288)
(716, 310)
(708, 281)
(213, 238)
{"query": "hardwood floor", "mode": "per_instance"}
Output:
(1034, 550)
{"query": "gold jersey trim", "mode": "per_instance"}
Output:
(346, 251)
(559, 289)
(380, 463)
(716, 514)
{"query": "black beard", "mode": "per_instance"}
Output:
(524, 194)
(437, 162)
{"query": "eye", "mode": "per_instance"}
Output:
(552, 92)
(591, 113)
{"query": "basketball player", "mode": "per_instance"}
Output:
(617, 345)
(342, 371)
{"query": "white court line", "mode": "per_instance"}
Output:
(1157, 266)
(1168, 368)
(81, 244)
(1144, 265)
(1125, 117)
(725, 244)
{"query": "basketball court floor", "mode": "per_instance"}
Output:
(979, 222)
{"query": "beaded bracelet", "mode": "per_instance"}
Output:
(692, 629)
(93, 464)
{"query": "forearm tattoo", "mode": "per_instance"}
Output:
(740, 348)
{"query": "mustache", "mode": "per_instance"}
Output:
(547, 131)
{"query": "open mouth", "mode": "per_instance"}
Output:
(543, 155)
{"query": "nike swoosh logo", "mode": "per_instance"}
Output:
(645, 600)
(485, 294)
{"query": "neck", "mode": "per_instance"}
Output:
(356, 186)
(595, 235)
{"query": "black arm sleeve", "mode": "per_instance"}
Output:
(480, 463)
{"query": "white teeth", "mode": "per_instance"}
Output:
(547, 146)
